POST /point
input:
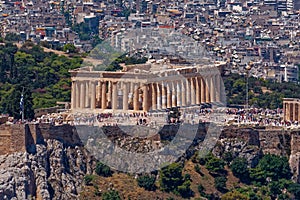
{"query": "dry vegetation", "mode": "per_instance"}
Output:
(128, 188)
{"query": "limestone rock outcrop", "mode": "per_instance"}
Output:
(54, 171)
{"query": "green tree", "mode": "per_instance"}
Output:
(215, 165)
(271, 166)
(198, 169)
(239, 167)
(44, 76)
(294, 188)
(12, 37)
(88, 179)
(171, 177)
(228, 157)
(11, 104)
(220, 183)
(184, 189)
(103, 170)
(201, 189)
(111, 195)
(69, 48)
(147, 182)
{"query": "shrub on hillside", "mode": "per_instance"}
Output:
(111, 195)
(201, 189)
(228, 157)
(220, 183)
(147, 182)
(171, 177)
(184, 190)
(239, 167)
(197, 169)
(171, 180)
(103, 170)
(234, 195)
(88, 179)
(215, 165)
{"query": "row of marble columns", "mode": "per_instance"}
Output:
(151, 96)
(291, 111)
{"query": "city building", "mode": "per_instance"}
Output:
(291, 73)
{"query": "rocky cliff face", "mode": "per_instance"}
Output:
(295, 155)
(53, 171)
(54, 168)
(252, 143)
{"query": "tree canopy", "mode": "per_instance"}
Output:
(272, 167)
(262, 93)
(44, 77)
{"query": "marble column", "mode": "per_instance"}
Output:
(114, 99)
(183, 93)
(218, 88)
(87, 94)
(158, 96)
(136, 98)
(154, 97)
(291, 109)
(294, 111)
(188, 92)
(169, 95)
(73, 97)
(207, 87)
(103, 95)
(93, 94)
(125, 96)
(145, 98)
(197, 90)
(212, 89)
(82, 94)
(174, 102)
(287, 112)
(98, 94)
(178, 92)
(222, 92)
(202, 90)
(109, 93)
(193, 95)
(130, 94)
(77, 88)
(163, 96)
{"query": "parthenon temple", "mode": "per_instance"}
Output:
(145, 87)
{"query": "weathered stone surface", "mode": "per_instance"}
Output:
(53, 172)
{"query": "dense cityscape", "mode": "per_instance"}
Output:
(236, 32)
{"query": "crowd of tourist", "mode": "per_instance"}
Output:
(259, 116)
(252, 116)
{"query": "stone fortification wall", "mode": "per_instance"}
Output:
(21, 137)
(12, 139)
(64, 133)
